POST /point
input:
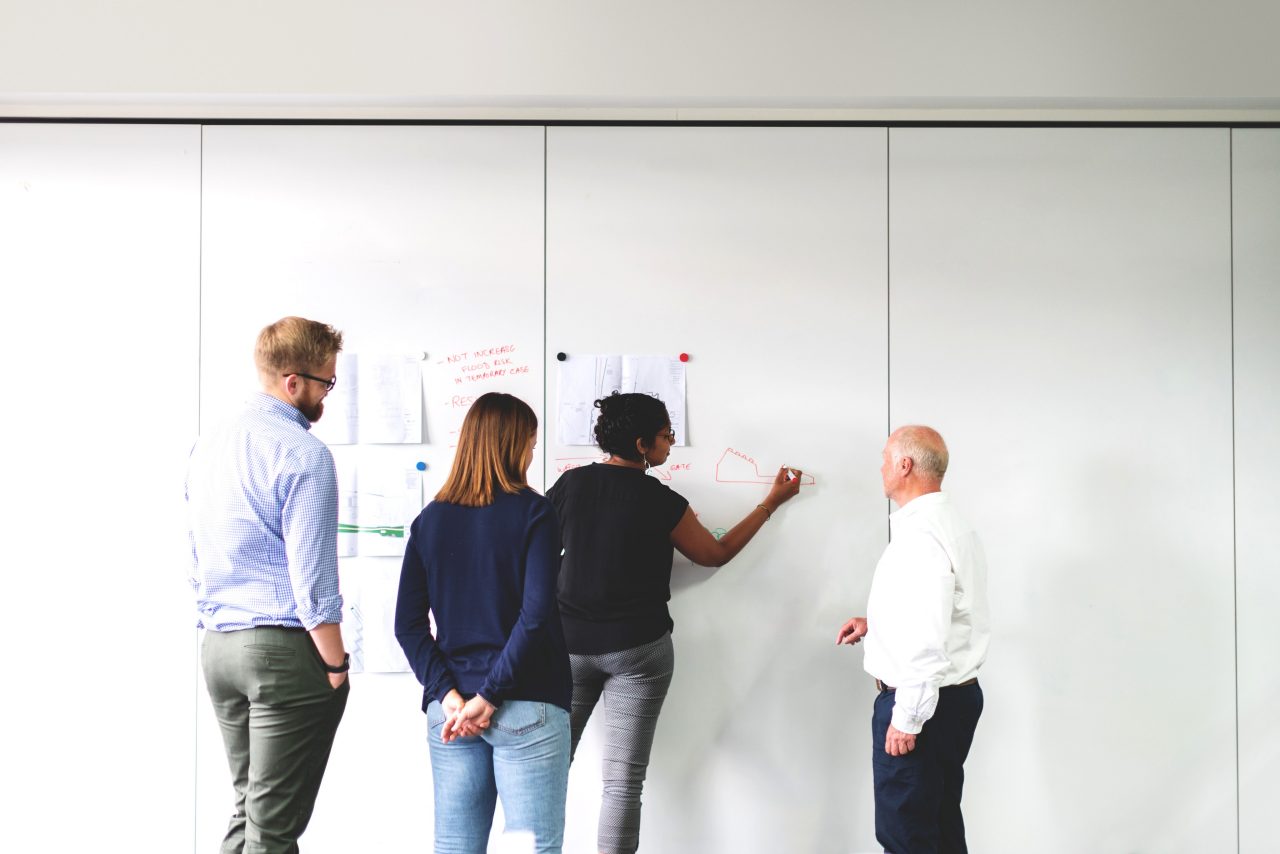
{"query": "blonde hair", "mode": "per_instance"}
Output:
(491, 447)
(294, 344)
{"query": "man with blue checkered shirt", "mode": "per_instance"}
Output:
(262, 499)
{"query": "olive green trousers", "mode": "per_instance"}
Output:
(278, 713)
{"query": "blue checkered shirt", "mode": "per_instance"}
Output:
(262, 505)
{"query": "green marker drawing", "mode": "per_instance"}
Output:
(388, 531)
(718, 533)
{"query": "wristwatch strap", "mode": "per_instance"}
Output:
(341, 668)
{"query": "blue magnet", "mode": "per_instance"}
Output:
(421, 466)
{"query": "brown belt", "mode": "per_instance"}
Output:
(881, 687)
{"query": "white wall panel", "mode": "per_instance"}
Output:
(1060, 310)
(99, 285)
(1256, 240)
(410, 240)
(760, 252)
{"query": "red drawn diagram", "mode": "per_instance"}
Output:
(563, 464)
(736, 467)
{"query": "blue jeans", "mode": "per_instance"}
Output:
(523, 757)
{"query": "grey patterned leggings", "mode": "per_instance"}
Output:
(633, 683)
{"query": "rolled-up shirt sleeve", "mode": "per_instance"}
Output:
(309, 526)
(193, 568)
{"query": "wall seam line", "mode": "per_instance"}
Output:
(1235, 572)
(888, 299)
(195, 706)
(546, 425)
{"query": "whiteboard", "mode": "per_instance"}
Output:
(409, 240)
(761, 254)
(1057, 301)
(1061, 310)
(1256, 244)
(99, 289)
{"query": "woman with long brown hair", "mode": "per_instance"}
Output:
(483, 557)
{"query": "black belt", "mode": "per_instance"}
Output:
(881, 687)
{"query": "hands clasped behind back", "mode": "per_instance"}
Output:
(464, 717)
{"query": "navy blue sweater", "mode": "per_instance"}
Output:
(489, 576)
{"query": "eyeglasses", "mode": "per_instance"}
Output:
(328, 384)
(670, 436)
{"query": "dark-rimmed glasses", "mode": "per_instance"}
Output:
(328, 384)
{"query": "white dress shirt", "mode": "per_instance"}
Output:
(928, 624)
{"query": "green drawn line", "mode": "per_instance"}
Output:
(396, 531)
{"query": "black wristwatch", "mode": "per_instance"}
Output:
(341, 668)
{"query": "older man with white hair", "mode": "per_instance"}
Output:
(927, 631)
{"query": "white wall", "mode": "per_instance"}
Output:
(1060, 304)
(99, 290)
(1256, 226)
(149, 54)
(1083, 370)
(760, 253)
(410, 240)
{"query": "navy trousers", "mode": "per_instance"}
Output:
(918, 795)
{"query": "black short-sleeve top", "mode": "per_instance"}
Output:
(615, 575)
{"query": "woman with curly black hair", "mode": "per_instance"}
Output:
(620, 530)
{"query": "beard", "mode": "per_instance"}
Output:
(313, 411)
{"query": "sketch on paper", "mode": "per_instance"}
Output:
(377, 401)
(582, 380)
(376, 506)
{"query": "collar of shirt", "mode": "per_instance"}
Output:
(267, 403)
(920, 503)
